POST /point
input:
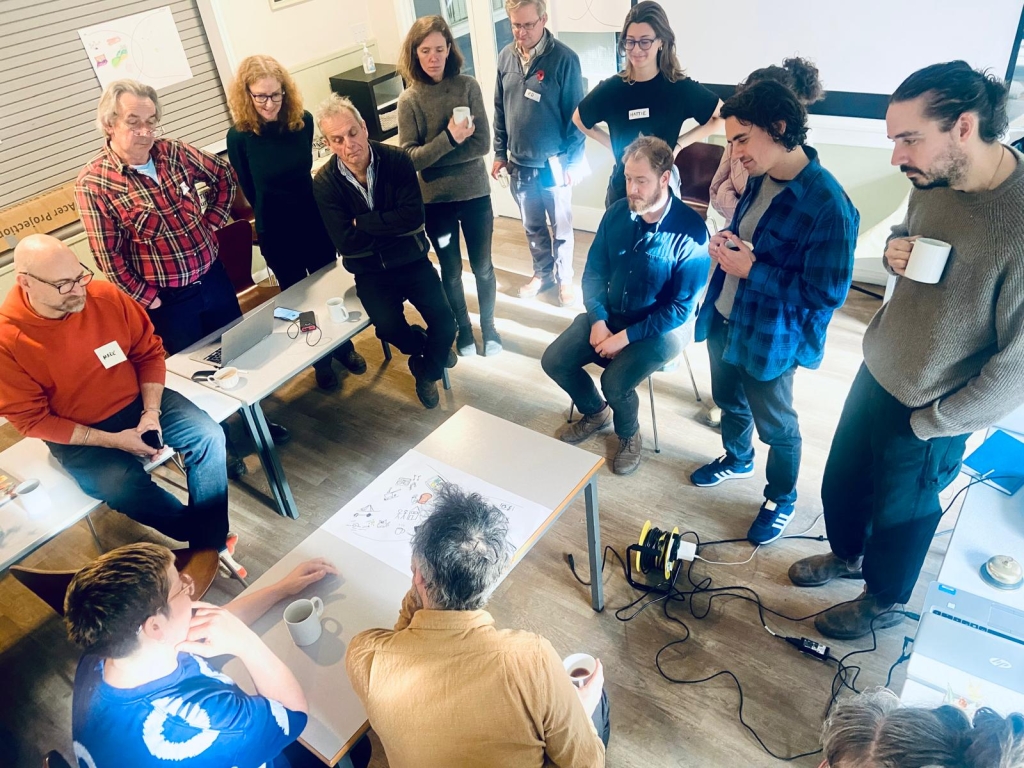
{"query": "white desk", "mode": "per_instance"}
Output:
(278, 358)
(368, 592)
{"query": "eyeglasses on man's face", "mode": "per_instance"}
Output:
(263, 98)
(527, 27)
(148, 128)
(64, 287)
(644, 43)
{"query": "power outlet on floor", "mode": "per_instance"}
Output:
(360, 32)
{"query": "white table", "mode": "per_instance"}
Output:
(278, 358)
(368, 592)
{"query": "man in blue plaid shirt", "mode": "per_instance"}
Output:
(783, 266)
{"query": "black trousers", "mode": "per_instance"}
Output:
(881, 488)
(384, 294)
(476, 218)
(187, 314)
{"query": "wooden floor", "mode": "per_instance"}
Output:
(343, 440)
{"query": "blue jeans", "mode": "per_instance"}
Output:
(187, 314)
(118, 479)
(539, 205)
(564, 359)
(768, 405)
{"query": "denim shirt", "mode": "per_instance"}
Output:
(804, 245)
(648, 284)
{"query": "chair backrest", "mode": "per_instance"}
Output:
(52, 586)
(234, 249)
(697, 164)
(55, 760)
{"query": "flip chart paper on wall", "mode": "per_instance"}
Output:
(382, 518)
(144, 47)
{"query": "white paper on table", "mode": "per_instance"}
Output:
(144, 46)
(382, 518)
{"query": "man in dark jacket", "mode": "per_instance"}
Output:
(370, 201)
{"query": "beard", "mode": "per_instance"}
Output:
(642, 205)
(71, 305)
(947, 170)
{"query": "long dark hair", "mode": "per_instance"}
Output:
(409, 62)
(649, 12)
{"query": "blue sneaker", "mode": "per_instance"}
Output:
(770, 522)
(721, 469)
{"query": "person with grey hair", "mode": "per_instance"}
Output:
(874, 730)
(371, 204)
(445, 687)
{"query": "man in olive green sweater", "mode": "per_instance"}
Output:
(940, 360)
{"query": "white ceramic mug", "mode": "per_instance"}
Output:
(33, 498)
(225, 378)
(927, 260)
(302, 617)
(462, 115)
(336, 308)
(580, 667)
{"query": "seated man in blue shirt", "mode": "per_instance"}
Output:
(769, 303)
(145, 694)
(645, 273)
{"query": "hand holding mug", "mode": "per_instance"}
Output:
(590, 692)
(462, 130)
(497, 168)
(718, 242)
(897, 253)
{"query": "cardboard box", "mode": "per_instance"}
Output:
(44, 214)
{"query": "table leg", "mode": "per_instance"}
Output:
(95, 536)
(444, 378)
(387, 349)
(260, 431)
(594, 545)
(345, 762)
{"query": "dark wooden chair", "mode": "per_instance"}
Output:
(697, 165)
(241, 210)
(55, 760)
(51, 586)
(234, 249)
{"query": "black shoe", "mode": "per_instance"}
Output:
(326, 378)
(492, 342)
(236, 468)
(352, 360)
(426, 389)
(279, 434)
(452, 357)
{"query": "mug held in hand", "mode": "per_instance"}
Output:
(927, 260)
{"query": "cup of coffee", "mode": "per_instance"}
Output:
(336, 308)
(581, 667)
(462, 115)
(302, 617)
(33, 498)
(927, 260)
(225, 378)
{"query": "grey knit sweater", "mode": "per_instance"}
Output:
(447, 171)
(955, 350)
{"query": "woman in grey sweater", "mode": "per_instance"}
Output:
(449, 155)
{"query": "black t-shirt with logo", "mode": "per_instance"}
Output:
(655, 107)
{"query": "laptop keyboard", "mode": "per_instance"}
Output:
(214, 357)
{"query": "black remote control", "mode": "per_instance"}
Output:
(152, 438)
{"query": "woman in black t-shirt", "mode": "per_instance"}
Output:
(652, 96)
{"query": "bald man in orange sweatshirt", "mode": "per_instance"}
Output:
(82, 369)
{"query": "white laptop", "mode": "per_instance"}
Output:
(238, 339)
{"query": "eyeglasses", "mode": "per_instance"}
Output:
(528, 27)
(188, 586)
(263, 98)
(64, 287)
(644, 43)
(143, 129)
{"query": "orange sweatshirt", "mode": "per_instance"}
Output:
(51, 376)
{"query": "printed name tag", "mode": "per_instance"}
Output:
(110, 354)
(532, 95)
(639, 114)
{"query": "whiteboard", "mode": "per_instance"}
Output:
(588, 15)
(866, 47)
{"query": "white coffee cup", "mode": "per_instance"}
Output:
(928, 260)
(302, 617)
(462, 115)
(225, 378)
(580, 667)
(336, 308)
(33, 498)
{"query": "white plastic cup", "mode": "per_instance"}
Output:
(580, 667)
(33, 498)
(225, 378)
(462, 115)
(302, 617)
(928, 260)
(336, 308)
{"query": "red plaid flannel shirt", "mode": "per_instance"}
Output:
(147, 235)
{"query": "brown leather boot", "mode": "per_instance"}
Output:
(856, 618)
(816, 570)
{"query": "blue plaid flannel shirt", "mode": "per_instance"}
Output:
(804, 245)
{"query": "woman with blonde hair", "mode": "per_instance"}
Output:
(448, 152)
(270, 146)
(651, 96)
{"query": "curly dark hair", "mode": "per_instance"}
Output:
(797, 74)
(953, 88)
(769, 104)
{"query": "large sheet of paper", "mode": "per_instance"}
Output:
(382, 518)
(144, 47)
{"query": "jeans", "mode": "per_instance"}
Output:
(384, 294)
(601, 718)
(477, 220)
(564, 359)
(118, 479)
(768, 405)
(538, 205)
(880, 491)
(187, 314)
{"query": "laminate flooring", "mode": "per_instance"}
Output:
(342, 440)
